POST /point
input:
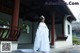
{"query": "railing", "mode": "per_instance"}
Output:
(9, 33)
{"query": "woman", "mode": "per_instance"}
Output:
(42, 37)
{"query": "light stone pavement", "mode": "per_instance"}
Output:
(71, 49)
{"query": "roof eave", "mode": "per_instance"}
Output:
(68, 10)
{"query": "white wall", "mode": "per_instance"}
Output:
(68, 41)
(60, 44)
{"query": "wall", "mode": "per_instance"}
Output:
(28, 38)
(25, 37)
(5, 16)
(58, 29)
(35, 29)
(68, 41)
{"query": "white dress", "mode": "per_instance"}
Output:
(42, 38)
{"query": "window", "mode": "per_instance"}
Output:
(68, 29)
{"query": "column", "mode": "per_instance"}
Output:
(15, 16)
(53, 30)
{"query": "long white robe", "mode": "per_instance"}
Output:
(42, 38)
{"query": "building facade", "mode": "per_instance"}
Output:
(21, 18)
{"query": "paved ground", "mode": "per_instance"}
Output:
(71, 49)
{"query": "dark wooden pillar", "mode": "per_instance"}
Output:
(15, 16)
(53, 29)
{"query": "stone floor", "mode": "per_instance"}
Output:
(71, 49)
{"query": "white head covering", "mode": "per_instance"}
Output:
(42, 16)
